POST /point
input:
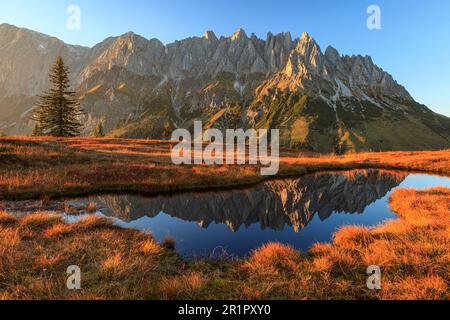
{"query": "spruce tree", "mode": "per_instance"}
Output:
(99, 132)
(58, 111)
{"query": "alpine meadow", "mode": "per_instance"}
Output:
(243, 171)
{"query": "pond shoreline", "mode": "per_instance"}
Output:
(308, 205)
(39, 168)
(241, 185)
(414, 267)
(57, 201)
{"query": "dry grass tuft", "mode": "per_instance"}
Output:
(39, 220)
(93, 222)
(273, 259)
(91, 207)
(424, 288)
(322, 264)
(6, 218)
(353, 237)
(151, 247)
(58, 230)
(186, 286)
(112, 263)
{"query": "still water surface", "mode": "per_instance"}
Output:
(299, 212)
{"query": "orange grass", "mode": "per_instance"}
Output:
(36, 251)
(56, 167)
(413, 253)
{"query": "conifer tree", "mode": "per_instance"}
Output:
(99, 132)
(58, 111)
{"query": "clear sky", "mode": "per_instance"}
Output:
(413, 43)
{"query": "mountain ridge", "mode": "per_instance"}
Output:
(139, 87)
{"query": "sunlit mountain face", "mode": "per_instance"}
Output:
(140, 88)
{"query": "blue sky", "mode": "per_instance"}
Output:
(413, 43)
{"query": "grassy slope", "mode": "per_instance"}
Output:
(308, 121)
(401, 135)
(413, 253)
(37, 167)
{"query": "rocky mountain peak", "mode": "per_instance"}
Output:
(332, 55)
(307, 46)
(239, 35)
(305, 60)
(5, 27)
(306, 37)
(210, 35)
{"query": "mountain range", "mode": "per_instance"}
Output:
(140, 88)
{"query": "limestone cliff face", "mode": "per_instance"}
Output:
(26, 56)
(142, 88)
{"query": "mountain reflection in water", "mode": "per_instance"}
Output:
(272, 206)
